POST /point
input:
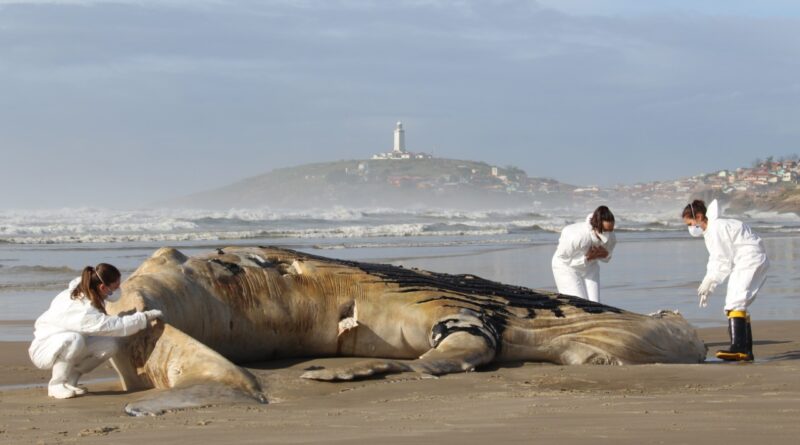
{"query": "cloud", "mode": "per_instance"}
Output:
(282, 82)
(171, 3)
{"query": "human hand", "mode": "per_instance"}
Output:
(600, 252)
(703, 300)
(153, 314)
(596, 252)
(706, 287)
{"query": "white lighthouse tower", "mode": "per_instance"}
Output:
(399, 139)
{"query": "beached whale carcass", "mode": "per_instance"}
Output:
(248, 304)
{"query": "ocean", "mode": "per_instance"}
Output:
(656, 264)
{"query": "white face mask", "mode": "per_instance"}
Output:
(695, 231)
(110, 297)
(602, 237)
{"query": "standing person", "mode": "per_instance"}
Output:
(735, 253)
(580, 247)
(75, 335)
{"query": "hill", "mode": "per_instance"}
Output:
(782, 201)
(383, 183)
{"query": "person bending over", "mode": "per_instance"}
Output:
(580, 247)
(735, 253)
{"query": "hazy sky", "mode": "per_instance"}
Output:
(121, 103)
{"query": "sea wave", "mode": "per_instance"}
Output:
(17, 270)
(417, 244)
(92, 225)
(396, 230)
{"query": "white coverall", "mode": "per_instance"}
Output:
(736, 253)
(72, 337)
(573, 273)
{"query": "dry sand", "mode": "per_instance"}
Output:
(756, 403)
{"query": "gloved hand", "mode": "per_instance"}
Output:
(703, 300)
(705, 289)
(152, 314)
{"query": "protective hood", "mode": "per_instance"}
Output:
(712, 211)
(73, 284)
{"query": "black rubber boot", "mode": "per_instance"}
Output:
(739, 351)
(749, 345)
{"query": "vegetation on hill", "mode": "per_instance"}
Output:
(385, 183)
(782, 201)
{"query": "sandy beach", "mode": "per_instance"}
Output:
(511, 403)
(514, 403)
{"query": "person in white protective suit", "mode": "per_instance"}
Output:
(580, 247)
(75, 335)
(735, 253)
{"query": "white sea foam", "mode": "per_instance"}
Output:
(773, 216)
(93, 225)
(416, 244)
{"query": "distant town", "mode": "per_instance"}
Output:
(764, 178)
(400, 177)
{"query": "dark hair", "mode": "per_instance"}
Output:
(91, 279)
(600, 215)
(691, 210)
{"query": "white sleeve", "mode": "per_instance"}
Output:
(569, 249)
(720, 254)
(97, 323)
(612, 242)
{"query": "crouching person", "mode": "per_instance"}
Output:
(75, 335)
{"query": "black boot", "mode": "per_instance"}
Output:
(749, 345)
(737, 328)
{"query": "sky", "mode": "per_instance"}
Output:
(122, 103)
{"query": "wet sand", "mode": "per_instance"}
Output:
(511, 403)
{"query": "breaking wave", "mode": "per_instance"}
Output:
(92, 225)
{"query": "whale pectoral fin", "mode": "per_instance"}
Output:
(460, 351)
(194, 396)
(358, 370)
(164, 357)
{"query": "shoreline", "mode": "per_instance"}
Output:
(703, 403)
(632, 281)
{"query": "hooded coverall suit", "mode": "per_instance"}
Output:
(575, 275)
(73, 337)
(735, 253)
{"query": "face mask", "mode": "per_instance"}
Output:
(695, 231)
(110, 297)
(602, 237)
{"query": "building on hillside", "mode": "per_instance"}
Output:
(399, 147)
(399, 139)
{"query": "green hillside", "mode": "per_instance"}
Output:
(384, 182)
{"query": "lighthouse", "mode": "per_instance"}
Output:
(399, 148)
(399, 139)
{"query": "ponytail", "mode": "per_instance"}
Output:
(600, 215)
(91, 279)
(691, 210)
